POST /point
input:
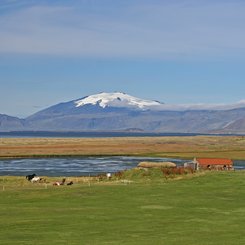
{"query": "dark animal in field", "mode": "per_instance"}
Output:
(70, 183)
(30, 177)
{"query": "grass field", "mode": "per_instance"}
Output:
(183, 147)
(203, 209)
(141, 208)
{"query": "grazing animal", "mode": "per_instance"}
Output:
(30, 177)
(70, 183)
(60, 183)
(63, 181)
(108, 175)
(35, 179)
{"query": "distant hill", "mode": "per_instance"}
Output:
(122, 112)
(8, 123)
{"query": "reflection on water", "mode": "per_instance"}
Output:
(79, 166)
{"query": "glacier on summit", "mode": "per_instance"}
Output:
(117, 99)
(122, 100)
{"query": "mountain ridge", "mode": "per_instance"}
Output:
(119, 112)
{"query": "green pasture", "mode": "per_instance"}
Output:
(204, 209)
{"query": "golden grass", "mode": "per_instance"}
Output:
(156, 165)
(184, 147)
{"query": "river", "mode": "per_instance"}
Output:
(79, 166)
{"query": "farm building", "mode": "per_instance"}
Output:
(214, 163)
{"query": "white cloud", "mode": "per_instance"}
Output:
(160, 30)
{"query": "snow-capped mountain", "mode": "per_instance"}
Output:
(117, 99)
(122, 112)
(123, 100)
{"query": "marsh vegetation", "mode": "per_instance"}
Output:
(182, 147)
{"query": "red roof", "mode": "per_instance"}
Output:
(214, 161)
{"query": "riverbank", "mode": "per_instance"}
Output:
(185, 147)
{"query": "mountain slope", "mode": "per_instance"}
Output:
(8, 123)
(237, 125)
(120, 112)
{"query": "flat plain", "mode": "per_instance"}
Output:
(182, 147)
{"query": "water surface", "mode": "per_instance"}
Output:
(80, 166)
(73, 166)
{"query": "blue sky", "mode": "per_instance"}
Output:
(178, 52)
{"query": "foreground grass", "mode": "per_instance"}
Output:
(196, 210)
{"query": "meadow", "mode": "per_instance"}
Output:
(196, 209)
(182, 147)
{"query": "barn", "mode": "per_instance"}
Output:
(214, 163)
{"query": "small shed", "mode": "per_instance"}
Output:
(214, 163)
